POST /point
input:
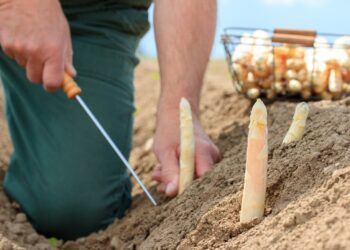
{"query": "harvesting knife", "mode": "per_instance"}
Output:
(72, 90)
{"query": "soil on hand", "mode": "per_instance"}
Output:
(308, 191)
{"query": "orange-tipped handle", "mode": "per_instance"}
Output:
(70, 87)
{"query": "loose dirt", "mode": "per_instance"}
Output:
(308, 193)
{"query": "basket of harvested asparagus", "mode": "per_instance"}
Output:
(288, 63)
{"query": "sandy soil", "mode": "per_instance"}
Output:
(308, 195)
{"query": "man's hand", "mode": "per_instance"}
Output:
(167, 148)
(184, 33)
(36, 34)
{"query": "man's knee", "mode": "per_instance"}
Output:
(68, 216)
(68, 219)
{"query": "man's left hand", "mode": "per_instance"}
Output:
(167, 150)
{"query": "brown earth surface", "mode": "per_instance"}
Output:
(308, 193)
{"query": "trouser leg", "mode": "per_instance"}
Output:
(62, 172)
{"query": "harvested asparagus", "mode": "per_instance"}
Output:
(253, 93)
(266, 83)
(295, 64)
(240, 72)
(187, 146)
(294, 86)
(302, 75)
(345, 71)
(306, 93)
(320, 81)
(346, 88)
(291, 74)
(250, 78)
(262, 69)
(335, 82)
(296, 130)
(326, 96)
(278, 87)
(270, 94)
(253, 201)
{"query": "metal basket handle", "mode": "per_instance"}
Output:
(294, 36)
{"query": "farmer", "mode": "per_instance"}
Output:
(63, 174)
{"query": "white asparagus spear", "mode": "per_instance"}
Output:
(187, 146)
(296, 130)
(253, 201)
(279, 88)
(291, 74)
(335, 83)
(253, 93)
(294, 86)
(306, 94)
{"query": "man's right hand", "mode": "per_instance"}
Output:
(36, 34)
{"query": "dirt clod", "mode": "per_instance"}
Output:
(21, 218)
(31, 239)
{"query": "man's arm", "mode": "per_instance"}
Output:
(184, 33)
(36, 34)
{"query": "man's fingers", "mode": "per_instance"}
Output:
(204, 163)
(21, 61)
(53, 74)
(157, 176)
(69, 68)
(207, 154)
(170, 171)
(34, 71)
(172, 187)
(215, 153)
(157, 173)
(161, 188)
(170, 165)
(7, 45)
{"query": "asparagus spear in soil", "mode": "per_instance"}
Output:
(253, 201)
(187, 146)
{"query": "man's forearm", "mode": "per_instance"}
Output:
(184, 33)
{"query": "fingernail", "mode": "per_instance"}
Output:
(170, 189)
(50, 90)
(74, 71)
(161, 188)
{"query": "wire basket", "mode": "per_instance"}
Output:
(288, 63)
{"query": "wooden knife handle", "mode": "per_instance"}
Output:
(70, 87)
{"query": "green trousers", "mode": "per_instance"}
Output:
(63, 174)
